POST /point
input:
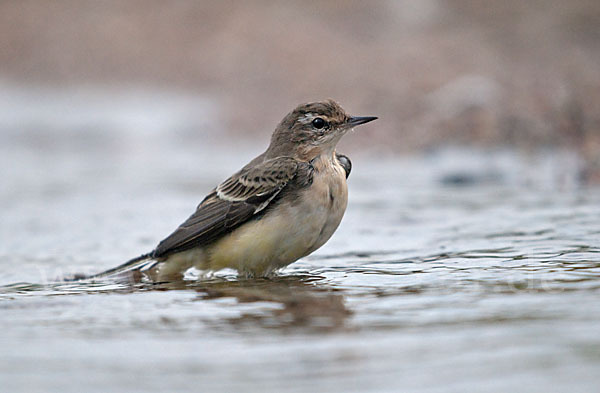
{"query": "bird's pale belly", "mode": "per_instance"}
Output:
(282, 236)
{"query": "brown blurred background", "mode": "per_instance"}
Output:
(511, 72)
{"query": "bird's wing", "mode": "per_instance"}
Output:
(345, 163)
(234, 202)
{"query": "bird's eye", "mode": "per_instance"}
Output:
(318, 123)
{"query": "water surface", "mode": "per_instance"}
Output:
(459, 270)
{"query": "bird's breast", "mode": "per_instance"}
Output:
(328, 196)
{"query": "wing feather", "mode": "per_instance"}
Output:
(233, 202)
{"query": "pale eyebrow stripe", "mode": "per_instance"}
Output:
(307, 118)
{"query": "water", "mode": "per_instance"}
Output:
(458, 270)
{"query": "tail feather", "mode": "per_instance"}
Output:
(137, 264)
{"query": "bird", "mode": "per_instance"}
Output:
(283, 205)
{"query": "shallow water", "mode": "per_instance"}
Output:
(459, 270)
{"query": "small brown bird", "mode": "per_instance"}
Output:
(280, 207)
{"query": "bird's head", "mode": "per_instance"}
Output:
(313, 129)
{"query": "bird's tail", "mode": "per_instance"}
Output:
(128, 269)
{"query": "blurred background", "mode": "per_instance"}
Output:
(513, 73)
(468, 257)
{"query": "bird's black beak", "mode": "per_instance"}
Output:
(358, 120)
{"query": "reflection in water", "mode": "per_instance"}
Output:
(304, 303)
(299, 300)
